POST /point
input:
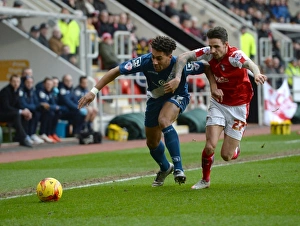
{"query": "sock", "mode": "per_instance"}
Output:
(172, 144)
(207, 161)
(159, 156)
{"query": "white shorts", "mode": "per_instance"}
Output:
(233, 118)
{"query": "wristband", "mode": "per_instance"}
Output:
(94, 90)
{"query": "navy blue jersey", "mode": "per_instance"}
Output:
(156, 80)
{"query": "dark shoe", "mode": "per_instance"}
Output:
(26, 143)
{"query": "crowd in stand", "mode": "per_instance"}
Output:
(258, 13)
(36, 110)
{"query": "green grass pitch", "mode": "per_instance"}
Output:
(114, 188)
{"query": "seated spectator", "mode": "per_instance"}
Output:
(27, 71)
(92, 112)
(50, 112)
(186, 26)
(142, 47)
(70, 112)
(68, 56)
(29, 100)
(194, 29)
(55, 43)
(34, 32)
(296, 19)
(11, 111)
(184, 13)
(18, 22)
(43, 34)
(100, 5)
(109, 59)
(171, 9)
(102, 25)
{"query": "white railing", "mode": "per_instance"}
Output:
(117, 100)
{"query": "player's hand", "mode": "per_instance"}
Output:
(171, 85)
(260, 79)
(217, 94)
(86, 100)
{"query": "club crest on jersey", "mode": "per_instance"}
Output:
(222, 67)
(128, 66)
(136, 62)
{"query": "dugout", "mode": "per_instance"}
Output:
(194, 119)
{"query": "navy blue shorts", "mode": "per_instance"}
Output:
(155, 105)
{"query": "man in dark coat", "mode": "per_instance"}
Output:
(11, 111)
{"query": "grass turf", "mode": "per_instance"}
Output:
(251, 193)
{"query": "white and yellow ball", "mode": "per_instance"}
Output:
(49, 189)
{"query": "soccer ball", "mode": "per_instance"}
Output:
(49, 189)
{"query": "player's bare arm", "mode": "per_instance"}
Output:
(107, 78)
(181, 61)
(258, 77)
(216, 93)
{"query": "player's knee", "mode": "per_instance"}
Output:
(163, 122)
(210, 148)
(226, 157)
(151, 144)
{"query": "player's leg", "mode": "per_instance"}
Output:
(167, 117)
(157, 149)
(230, 148)
(215, 123)
(234, 130)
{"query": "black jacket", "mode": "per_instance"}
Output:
(9, 100)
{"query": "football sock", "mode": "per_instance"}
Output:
(173, 146)
(207, 161)
(159, 156)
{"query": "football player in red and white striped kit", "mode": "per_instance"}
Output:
(231, 95)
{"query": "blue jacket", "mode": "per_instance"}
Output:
(29, 99)
(66, 97)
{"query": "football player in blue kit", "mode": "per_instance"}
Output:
(166, 100)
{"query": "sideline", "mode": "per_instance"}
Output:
(151, 175)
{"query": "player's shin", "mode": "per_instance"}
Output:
(159, 156)
(207, 161)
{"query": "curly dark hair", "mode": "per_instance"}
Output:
(163, 44)
(219, 33)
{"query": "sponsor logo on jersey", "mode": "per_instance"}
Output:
(221, 79)
(152, 72)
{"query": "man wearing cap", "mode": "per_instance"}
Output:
(107, 53)
(35, 32)
(43, 34)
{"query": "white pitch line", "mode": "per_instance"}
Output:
(151, 175)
